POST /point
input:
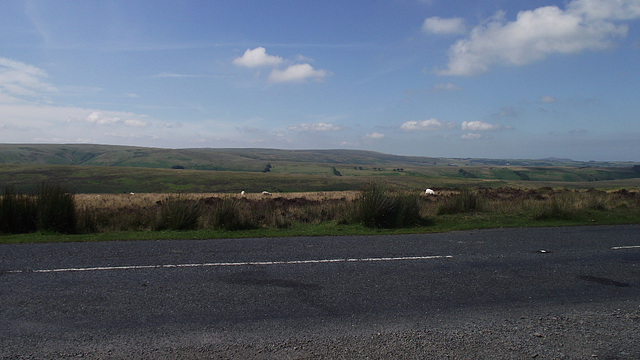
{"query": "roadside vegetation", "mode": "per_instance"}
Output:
(53, 214)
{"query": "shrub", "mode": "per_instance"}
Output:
(378, 207)
(464, 202)
(178, 214)
(18, 213)
(56, 209)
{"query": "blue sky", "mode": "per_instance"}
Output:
(445, 78)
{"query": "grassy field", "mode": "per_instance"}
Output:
(309, 178)
(126, 192)
(110, 217)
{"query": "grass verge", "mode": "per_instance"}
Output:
(442, 223)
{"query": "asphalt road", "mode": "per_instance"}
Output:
(506, 293)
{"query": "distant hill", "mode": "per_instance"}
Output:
(239, 159)
(117, 169)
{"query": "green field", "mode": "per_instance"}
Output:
(192, 183)
(120, 169)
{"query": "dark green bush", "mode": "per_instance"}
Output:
(18, 213)
(56, 209)
(380, 208)
(178, 214)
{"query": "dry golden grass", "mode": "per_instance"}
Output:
(119, 201)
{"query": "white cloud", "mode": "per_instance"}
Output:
(112, 118)
(315, 127)
(535, 34)
(436, 25)
(471, 136)
(296, 73)
(606, 9)
(430, 124)
(479, 126)
(48, 123)
(374, 136)
(548, 99)
(257, 57)
(19, 80)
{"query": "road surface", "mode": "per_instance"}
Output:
(571, 292)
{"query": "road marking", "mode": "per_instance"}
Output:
(246, 263)
(625, 247)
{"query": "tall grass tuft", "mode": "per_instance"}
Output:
(464, 202)
(558, 207)
(178, 214)
(18, 213)
(379, 208)
(231, 214)
(56, 209)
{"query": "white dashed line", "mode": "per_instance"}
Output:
(247, 263)
(625, 247)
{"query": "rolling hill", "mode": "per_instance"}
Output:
(108, 168)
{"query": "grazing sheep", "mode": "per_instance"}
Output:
(429, 192)
(266, 193)
(242, 192)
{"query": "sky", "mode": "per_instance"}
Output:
(509, 79)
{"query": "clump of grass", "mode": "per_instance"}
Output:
(231, 214)
(559, 207)
(464, 202)
(56, 209)
(380, 208)
(597, 200)
(87, 221)
(18, 213)
(178, 214)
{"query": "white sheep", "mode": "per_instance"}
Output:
(429, 192)
(242, 192)
(266, 193)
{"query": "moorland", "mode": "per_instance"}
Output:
(135, 192)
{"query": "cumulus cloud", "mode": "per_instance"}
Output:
(296, 73)
(19, 80)
(535, 34)
(257, 57)
(429, 124)
(479, 126)
(315, 127)
(548, 99)
(374, 136)
(437, 25)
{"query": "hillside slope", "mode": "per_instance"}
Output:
(239, 159)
